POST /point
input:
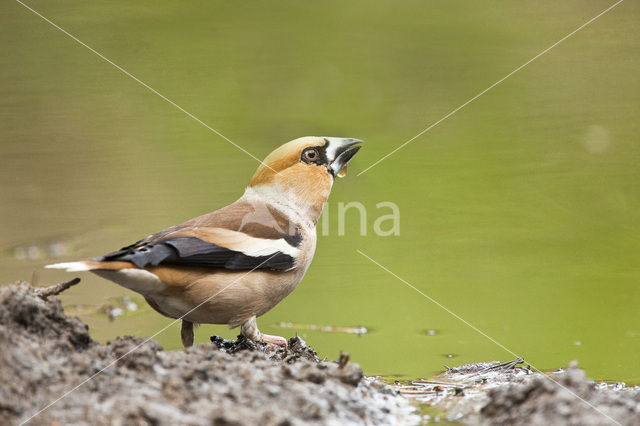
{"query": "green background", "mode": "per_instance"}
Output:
(519, 213)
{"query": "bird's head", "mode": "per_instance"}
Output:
(302, 171)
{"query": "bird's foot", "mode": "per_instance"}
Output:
(250, 330)
(273, 342)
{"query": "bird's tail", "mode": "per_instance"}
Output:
(89, 265)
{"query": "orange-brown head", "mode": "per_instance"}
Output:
(304, 169)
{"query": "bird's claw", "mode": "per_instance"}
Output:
(274, 342)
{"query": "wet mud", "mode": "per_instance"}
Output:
(46, 355)
(53, 372)
(511, 393)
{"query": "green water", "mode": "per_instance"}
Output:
(520, 213)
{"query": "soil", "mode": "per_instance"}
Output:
(505, 393)
(49, 360)
(52, 372)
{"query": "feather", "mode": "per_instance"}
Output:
(192, 251)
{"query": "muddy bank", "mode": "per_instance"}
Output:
(46, 354)
(511, 393)
(48, 359)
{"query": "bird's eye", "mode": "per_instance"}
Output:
(310, 155)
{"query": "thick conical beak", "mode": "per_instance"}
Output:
(339, 152)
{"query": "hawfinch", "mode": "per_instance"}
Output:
(235, 264)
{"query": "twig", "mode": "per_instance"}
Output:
(56, 289)
(344, 359)
(504, 365)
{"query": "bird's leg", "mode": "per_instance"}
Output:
(250, 330)
(186, 333)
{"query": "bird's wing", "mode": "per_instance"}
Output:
(242, 236)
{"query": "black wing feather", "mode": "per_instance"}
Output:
(192, 251)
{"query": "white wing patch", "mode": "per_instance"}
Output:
(253, 246)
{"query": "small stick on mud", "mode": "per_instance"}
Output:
(344, 359)
(56, 289)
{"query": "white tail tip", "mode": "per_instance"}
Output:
(70, 266)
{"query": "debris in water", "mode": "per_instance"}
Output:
(45, 249)
(327, 328)
(114, 308)
(495, 392)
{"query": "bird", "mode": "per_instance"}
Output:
(235, 264)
